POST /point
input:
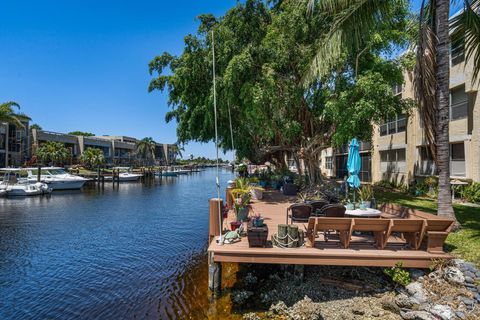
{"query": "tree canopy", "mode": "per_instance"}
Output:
(81, 133)
(262, 54)
(53, 152)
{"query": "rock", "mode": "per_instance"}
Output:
(460, 315)
(358, 311)
(466, 301)
(280, 308)
(404, 301)
(471, 287)
(389, 304)
(416, 273)
(305, 309)
(469, 266)
(417, 315)
(469, 274)
(468, 279)
(477, 274)
(477, 297)
(251, 316)
(453, 275)
(415, 289)
(444, 312)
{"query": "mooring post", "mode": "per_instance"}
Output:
(214, 230)
(39, 173)
(229, 197)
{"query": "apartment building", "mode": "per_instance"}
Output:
(399, 152)
(14, 144)
(118, 150)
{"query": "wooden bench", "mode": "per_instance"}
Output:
(342, 225)
(379, 227)
(436, 228)
(413, 231)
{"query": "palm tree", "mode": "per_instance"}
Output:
(53, 152)
(7, 114)
(146, 148)
(35, 126)
(92, 157)
(353, 19)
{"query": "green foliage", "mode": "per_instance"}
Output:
(471, 193)
(81, 133)
(365, 193)
(7, 114)
(398, 274)
(35, 126)
(92, 157)
(262, 54)
(53, 152)
(145, 148)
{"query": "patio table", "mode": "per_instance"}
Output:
(368, 213)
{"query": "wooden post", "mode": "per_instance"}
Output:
(292, 234)
(282, 234)
(39, 173)
(301, 238)
(229, 197)
(214, 224)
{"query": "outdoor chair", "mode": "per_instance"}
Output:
(317, 224)
(317, 206)
(333, 210)
(299, 212)
(394, 211)
(413, 231)
(379, 228)
(437, 232)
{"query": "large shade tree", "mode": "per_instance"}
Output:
(52, 152)
(262, 53)
(145, 149)
(355, 19)
(92, 157)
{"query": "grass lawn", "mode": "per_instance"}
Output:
(464, 243)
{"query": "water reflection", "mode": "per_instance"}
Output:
(133, 250)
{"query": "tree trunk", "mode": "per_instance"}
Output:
(443, 110)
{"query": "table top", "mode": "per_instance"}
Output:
(368, 213)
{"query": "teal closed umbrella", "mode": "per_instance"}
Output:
(354, 164)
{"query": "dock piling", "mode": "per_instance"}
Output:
(214, 225)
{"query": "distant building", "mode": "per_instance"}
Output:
(14, 144)
(118, 150)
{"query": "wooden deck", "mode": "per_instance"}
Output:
(361, 251)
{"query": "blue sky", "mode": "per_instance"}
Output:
(82, 65)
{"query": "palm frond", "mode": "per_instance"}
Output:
(353, 21)
(424, 79)
(466, 30)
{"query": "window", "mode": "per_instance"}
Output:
(458, 103)
(426, 167)
(2, 142)
(328, 162)
(392, 161)
(395, 125)
(457, 159)
(457, 52)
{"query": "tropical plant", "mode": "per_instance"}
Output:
(81, 133)
(398, 274)
(35, 126)
(92, 157)
(365, 193)
(471, 193)
(7, 114)
(354, 20)
(145, 149)
(53, 152)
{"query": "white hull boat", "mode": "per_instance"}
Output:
(26, 188)
(56, 178)
(126, 176)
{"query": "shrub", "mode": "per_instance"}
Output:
(471, 193)
(398, 274)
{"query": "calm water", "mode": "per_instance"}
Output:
(133, 251)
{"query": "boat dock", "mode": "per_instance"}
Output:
(360, 252)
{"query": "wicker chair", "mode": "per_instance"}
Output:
(299, 212)
(317, 206)
(333, 210)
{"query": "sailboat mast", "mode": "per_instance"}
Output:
(216, 140)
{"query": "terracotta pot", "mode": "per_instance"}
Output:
(234, 225)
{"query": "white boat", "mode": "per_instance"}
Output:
(126, 174)
(15, 183)
(56, 178)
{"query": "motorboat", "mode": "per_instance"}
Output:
(56, 178)
(126, 174)
(16, 183)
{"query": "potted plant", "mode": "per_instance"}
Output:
(242, 196)
(365, 194)
(255, 190)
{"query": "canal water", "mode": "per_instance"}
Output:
(133, 251)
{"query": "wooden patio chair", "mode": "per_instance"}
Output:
(437, 232)
(379, 227)
(316, 224)
(299, 212)
(413, 231)
(393, 211)
(333, 210)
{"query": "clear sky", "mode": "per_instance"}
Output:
(83, 65)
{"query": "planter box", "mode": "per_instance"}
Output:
(257, 236)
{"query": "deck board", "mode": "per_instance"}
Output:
(360, 253)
